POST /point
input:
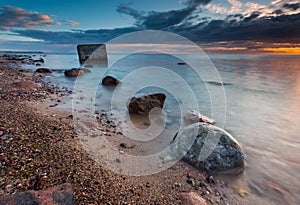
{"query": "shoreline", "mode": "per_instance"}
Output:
(41, 139)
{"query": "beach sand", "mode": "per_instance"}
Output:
(38, 140)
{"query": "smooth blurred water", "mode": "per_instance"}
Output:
(263, 111)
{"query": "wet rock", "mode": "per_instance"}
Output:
(209, 148)
(38, 64)
(27, 85)
(194, 116)
(110, 81)
(39, 60)
(144, 104)
(191, 198)
(58, 195)
(74, 72)
(43, 70)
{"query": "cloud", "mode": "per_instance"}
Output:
(268, 24)
(161, 20)
(71, 22)
(292, 7)
(75, 36)
(11, 17)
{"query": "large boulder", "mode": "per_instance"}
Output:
(209, 148)
(194, 116)
(26, 85)
(58, 195)
(144, 104)
(43, 70)
(74, 72)
(110, 81)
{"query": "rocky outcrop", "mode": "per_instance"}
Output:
(194, 116)
(191, 198)
(28, 85)
(58, 195)
(143, 105)
(110, 81)
(74, 72)
(209, 148)
(43, 70)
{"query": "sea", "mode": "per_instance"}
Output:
(256, 98)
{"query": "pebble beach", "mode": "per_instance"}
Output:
(39, 149)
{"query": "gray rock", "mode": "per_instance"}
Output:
(209, 148)
(144, 104)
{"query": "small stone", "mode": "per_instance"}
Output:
(1, 133)
(189, 175)
(4, 137)
(211, 180)
(190, 181)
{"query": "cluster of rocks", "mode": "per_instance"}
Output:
(203, 190)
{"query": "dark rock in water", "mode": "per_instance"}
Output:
(39, 61)
(144, 104)
(191, 198)
(209, 148)
(38, 64)
(43, 70)
(110, 81)
(26, 85)
(217, 83)
(194, 116)
(181, 63)
(74, 72)
(58, 195)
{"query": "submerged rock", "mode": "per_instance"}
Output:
(110, 81)
(144, 104)
(43, 70)
(209, 148)
(194, 116)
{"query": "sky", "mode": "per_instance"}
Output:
(217, 26)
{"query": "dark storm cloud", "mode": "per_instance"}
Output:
(161, 20)
(285, 28)
(11, 17)
(292, 7)
(186, 22)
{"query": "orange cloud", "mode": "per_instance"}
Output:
(11, 17)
